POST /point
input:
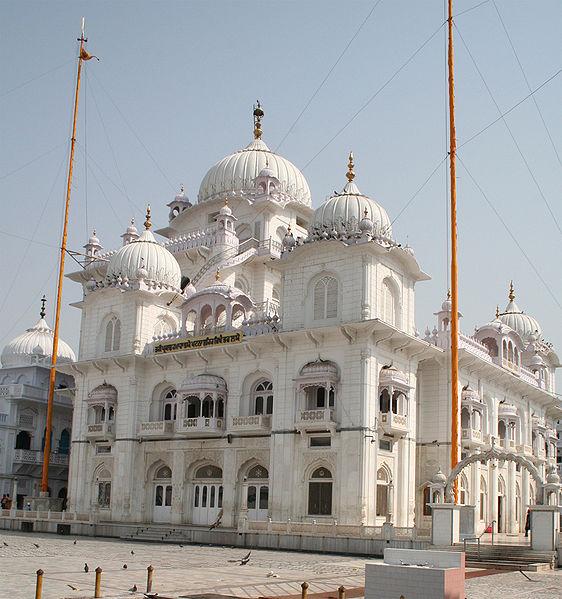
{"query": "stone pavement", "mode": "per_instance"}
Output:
(191, 570)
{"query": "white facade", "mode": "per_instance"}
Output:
(24, 385)
(263, 363)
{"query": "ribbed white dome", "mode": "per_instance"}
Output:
(236, 173)
(146, 258)
(527, 326)
(348, 208)
(35, 346)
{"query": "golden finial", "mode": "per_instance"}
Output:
(511, 295)
(258, 115)
(43, 302)
(448, 294)
(497, 312)
(226, 201)
(350, 172)
(218, 275)
(147, 223)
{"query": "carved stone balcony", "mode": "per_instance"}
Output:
(33, 456)
(200, 426)
(525, 450)
(321, 419)
(250, 424)
(472, 437)
(395, 425)
(157, 429)
(508, 444)
(102, 431)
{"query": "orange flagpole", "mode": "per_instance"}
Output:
(454, 267)
(83, 55)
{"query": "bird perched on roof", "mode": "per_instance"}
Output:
(75, 541)
(132, 552)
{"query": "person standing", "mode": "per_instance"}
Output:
(527, 523)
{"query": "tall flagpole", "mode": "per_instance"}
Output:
(83, 55)
(454, 268)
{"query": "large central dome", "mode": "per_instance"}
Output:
(236, 172)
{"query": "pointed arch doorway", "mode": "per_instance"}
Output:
(162, 506)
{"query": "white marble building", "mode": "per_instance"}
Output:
(263, 363)
(24, 385)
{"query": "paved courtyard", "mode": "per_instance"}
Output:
(192, 570)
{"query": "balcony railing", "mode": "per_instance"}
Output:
(200, 425)
(394, 424)
(525, 450)
(319, 419)
(102, 431)
(507, 443)
(511, 366)
(240, 424)
(472, 436)
(35, 456)
(159, 428)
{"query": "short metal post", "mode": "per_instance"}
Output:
(341, 592)
(304, 590)
(97, 587)
(39, 584)
(149, 572)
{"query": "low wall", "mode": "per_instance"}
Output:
(203, 536)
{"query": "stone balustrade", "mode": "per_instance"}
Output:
(199, 425)
(156, 429)
(319, 419)
(395, 425)
(101, 431)
(35, 456)
(240, 424)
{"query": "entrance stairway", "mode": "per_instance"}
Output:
(507, 557)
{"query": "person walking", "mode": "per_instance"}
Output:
(527, 523)
(3, 502)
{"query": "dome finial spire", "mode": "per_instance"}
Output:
(218, 275)
(350, 166)
(147, 223)
(43, 302)
(497, 312)
(449, 294)
(258, 115)
(511, 295)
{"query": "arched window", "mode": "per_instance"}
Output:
(483, 498)
(190, 320)
(163, 473)
(104, 489)
(242, 283)
(113, 334)
(262, 398)
(238, 316)
(325, 298)
(193, 406)
(275, 296)
(220, 316)
(383, 491)
(320, 493)
(207, 407)
(389, 308)
(206, 320)
(465, 418)
(170, 405)
(492, 346)
(426, 497)
(23, 440)
(463, 490)
(208, 472)
(64, 442)
(163, 328)
(502, 430)
(384, 401)
(316, 397)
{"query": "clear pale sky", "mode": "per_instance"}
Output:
(185, 75)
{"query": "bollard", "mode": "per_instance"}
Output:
(149, 572)
(97, 588)
(341, 592)
(39, 584)
(304, 590)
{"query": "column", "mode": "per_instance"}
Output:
(178, 491)
(475, 493)
(229, 488)
(511, 524)
(493, 494)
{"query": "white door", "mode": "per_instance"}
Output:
(162, 502)
(207, 502)
(258, 501)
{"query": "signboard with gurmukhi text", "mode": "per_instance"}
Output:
(167, 347)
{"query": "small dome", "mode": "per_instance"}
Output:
(93, 240)
(468, 394)
(439, 478)
(348, 208)
(131, 229)
(320, 367)
(536, 362)
(147, 259)
(35, 346)
(225, 210)
(102, 393)
(237, 172)
(526, 326)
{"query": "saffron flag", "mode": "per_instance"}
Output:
(84, 55)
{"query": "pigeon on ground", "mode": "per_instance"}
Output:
(75, 541)
(132, 552)
(271, 574)
(181, 546)
(5, 544)
(72, 587)
(243, 561)
(36, 545)
(124, 566)
(133, 589)
(86, 569)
